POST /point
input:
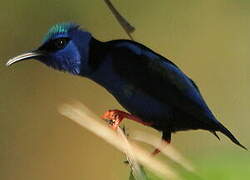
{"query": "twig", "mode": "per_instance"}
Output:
(128, 28)
(167, 150)
(135, 167)
(81, 115)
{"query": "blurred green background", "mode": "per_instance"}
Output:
(209, 40)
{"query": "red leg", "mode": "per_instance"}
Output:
(163, 144)
(115, 117)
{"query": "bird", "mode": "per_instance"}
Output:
(154, 91)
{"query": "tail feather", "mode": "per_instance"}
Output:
(216, 135)
(226, 132)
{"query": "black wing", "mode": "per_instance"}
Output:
(160, 78)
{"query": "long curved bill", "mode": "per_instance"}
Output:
(24, 56)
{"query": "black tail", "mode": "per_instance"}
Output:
(225, 131)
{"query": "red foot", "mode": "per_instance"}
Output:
(157, 151)
(115, 117)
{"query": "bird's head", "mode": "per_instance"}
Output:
(65, 47)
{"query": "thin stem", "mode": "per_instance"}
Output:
(128, 28)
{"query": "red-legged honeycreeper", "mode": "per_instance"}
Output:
(150, 87)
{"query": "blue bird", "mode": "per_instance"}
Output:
(151, 88)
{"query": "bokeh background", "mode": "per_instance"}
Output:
(209, 40)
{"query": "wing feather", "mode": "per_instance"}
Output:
(160, 78)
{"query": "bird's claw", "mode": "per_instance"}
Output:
(113, 117)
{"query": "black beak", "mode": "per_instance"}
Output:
(24, 56)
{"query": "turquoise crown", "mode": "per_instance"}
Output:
(60, 28)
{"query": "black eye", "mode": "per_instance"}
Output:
(55, 45)
(60, 43)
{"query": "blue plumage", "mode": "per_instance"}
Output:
(145, 83)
